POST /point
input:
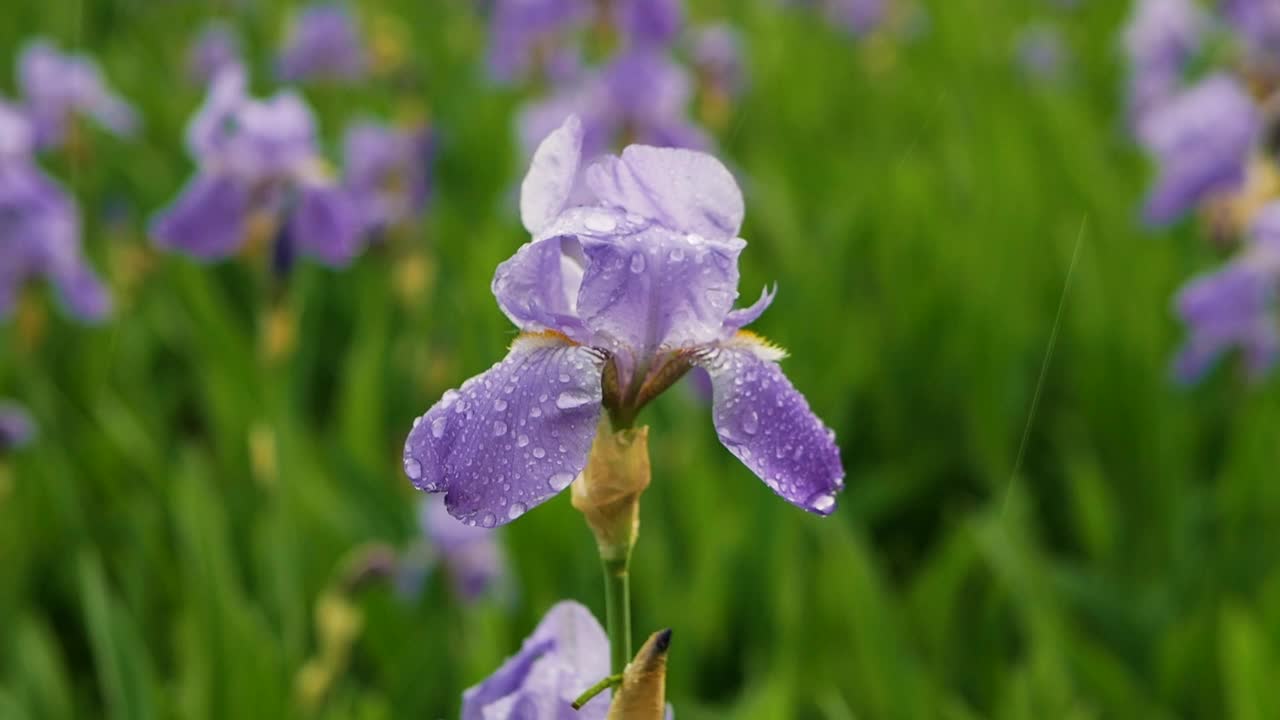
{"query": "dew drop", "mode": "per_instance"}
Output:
(751, 423)
(564, 377)
(560, 481)
(535, 411)
(600, 222)
(676, 255)
(499, 428)
(539, 453)
(522, 440)
(488, 520)
(449, 398)
(637, 263)
(823, 502)
(570, 399)
(499, 404)
(516, 510)
(438, 425)
(412, 468)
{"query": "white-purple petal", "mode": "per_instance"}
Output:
(685, 190)
(742, 317)
(511, 437)
(552, 174)
(763, 420)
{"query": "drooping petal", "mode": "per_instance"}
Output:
(511, 437)
(326, 224)
(537, 287)
(683, 189)
(1232, 307)
(207, 220)
(657, 289)
(742, 317)
(82, 291)
(763, 420)
(552, 173)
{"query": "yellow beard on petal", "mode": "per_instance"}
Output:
(757, 345)
(541, 338)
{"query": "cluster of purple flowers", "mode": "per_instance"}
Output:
(260, 171)
(640, 92)
(1208, 134)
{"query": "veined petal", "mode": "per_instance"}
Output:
(537, 287)
(683, 189)
(207, 220)
(763, 420)
(549, 183)
(658, 289)
(511, 437)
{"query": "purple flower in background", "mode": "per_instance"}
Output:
(40, 227)
(1236, 306)
(1202, 139)
(1258, 24)
(642, 96)
(1160, 39)
(471, 555)
(1042, 53)
(717, 56)
(217, 48)
(258, 160)
(650, 22)
(16, 426)
(57, 86)
(532, 37)
(566, 654)
(617, 298)
(323, 43)
(857, 16)
(387, 172)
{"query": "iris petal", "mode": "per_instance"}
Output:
(207, 220)
(685, 190)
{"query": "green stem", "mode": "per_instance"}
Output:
(612, 681)
(617, 603)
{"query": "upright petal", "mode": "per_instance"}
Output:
(511, 437)
(552, 173)
(651, 22)
(656, 289)
(207, 220)
(763, 420)
(685, 190)
(538, 286)
(327, 224)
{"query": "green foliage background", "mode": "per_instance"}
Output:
(918, 203)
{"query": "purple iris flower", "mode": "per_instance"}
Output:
(323, 43)
(16, 426)
(1258, 24)
(566, 654)
(1160, 40)
(1202, 139)
(532, 37)
(858, 16)
(650, 22)
(717, 54)
(617, 299)
(387, 172)
(217, 48)
(40, 227)
(642, 96)
(56, 86)
(1236, 306)
(471, 555)
(258, 160)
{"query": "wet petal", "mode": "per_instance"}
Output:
(683, 189)
(511, 437)
(764, 421)
(207, 220)
(537, 287)
(327, 224)
(657, 289)
(549, 182)
(743, 317)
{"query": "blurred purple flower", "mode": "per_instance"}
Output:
(1042, 53)
(387, 172)
(650, 23)
(1160, 39)
(642, 96)
(857, 16)
(40, 227)
(16, 426)
(471, 555)
(642, 282)
(258, 159)
(216, 48)
(1202, 139)
(717, 57)
(566, 654)
(323, 43)
(57, 86)
(1235, 306)
(533, 38)
(1258, 24)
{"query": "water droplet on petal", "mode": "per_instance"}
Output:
(637, 263)
(751, 423)
(600, 222)
(449, 398)
(499, 404)
(822, 502)
(570, 399)
(535, 411)
(499, 428)
(412, 468)
(676, 255)
(539, 453)
(522, 440)
(516, 510)
(560, 481)
(438, 425)
(488, 520)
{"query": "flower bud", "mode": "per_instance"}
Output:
(608, 491)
